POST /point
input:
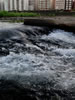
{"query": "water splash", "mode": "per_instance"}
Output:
(38, 57)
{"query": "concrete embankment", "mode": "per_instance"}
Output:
(65, 22)
(61, 22)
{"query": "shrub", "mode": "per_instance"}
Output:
(18, 14)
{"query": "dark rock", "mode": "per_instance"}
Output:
(4, 51)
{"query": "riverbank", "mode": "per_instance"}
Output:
(62, 22)
(57, 19)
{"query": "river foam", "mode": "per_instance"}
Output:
(38, 58)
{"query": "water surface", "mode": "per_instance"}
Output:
(38, 59)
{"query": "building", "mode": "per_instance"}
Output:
(69, 4)
(43, 4)
(60, 4)
(22, 5)
(35, 5)
(73, 7)
(2, 5)
(16, 5)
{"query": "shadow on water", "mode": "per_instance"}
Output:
(36, 63)
(11, 90)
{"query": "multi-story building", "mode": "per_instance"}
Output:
(43, 4)
(25, 5)
(2, 5)
(60, 4)
(19, 5)
(68, 4)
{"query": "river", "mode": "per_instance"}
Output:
(37, 63)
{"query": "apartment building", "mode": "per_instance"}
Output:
(2, 5)
(34, 5)
(16, 5)
(69, 4)
(43, 4)
(59, 4)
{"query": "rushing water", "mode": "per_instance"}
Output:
(38, 59)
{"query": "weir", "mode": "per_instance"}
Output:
(36, 63)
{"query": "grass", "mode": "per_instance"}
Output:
(36, 14)
(18, 14)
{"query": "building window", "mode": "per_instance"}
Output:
(68, 4)
(18, 5)
(31, 2)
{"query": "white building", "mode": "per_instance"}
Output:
(2, 7)
(13, 5)
(68, 4)
(60, 4)
(25, 5)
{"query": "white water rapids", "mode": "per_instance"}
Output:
(50, 59)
